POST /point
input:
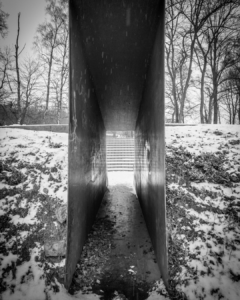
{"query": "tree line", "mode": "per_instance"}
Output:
(35, 89)
(202, 64)
(202, 53)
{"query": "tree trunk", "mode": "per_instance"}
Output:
(234, 108)
(24, 110)
(215, 104)
(219, 116)
(215, 91)
(23, 115)
(230, 113)
(18, 74)
(60, 106)
(215, 82)
(210, 110)
(176, 107)
(202, 91)
(186, 86)
(63, 72)
(205, 116)
(48, 81)
(181, 115)
(61, 93)
(58, 113)
(49, 74)
(238, 109)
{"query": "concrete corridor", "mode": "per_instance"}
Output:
(131, 265)
(116, 83)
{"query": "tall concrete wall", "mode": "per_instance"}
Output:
(112, 45)
(150, 150)
(87, 153)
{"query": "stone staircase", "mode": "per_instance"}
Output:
(120, 153)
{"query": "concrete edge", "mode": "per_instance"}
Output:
(62, 128)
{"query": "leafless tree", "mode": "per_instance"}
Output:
(61, 70)
(173, 51)
(5, 70)
(185, 22)
(3, 22)
(231, 89)
(29, 86)
(18, 81)
(5, 61)
(231, 102)
(212, 42)
(223, 32)
(48, 38)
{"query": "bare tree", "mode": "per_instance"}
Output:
(48, 38)
(5, 69)
(202, 51)
(222, 30)
(61, 67)
(185, 22)
(5, 61)
(17, 71)
(231, 102)
(216, 35)
(172, 50)
(29, 85)
(3, 22)
(232, 83)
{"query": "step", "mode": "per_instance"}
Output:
(120, 168)
(120, 164)
(120, 158)
(120, 147)
(120, 154)
(123, 154)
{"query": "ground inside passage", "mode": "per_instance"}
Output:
(128, 265)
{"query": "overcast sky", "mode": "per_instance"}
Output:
(32, 14)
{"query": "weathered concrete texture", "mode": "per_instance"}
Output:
(116, 62)
(41, 127)
(150, 150)
(117, 38)
(87, 157)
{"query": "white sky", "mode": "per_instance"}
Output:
(32, 14)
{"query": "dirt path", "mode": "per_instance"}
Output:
(126, 262)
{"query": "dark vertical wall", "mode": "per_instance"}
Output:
(150, 150)
(118, 37)
(87, 161)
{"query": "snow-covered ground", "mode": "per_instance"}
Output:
(203, 210)
(33, 183)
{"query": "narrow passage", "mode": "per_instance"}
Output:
(130, 267)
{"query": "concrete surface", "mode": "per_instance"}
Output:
(42, 127)
(117, 39)
(86, 153)
(116, 83)
(150, 151)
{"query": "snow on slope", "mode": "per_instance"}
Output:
(203, 210)
(203, 207)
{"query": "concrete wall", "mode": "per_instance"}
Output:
(41, 127)
(118, 37)
(150, 150)
(87, 155)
